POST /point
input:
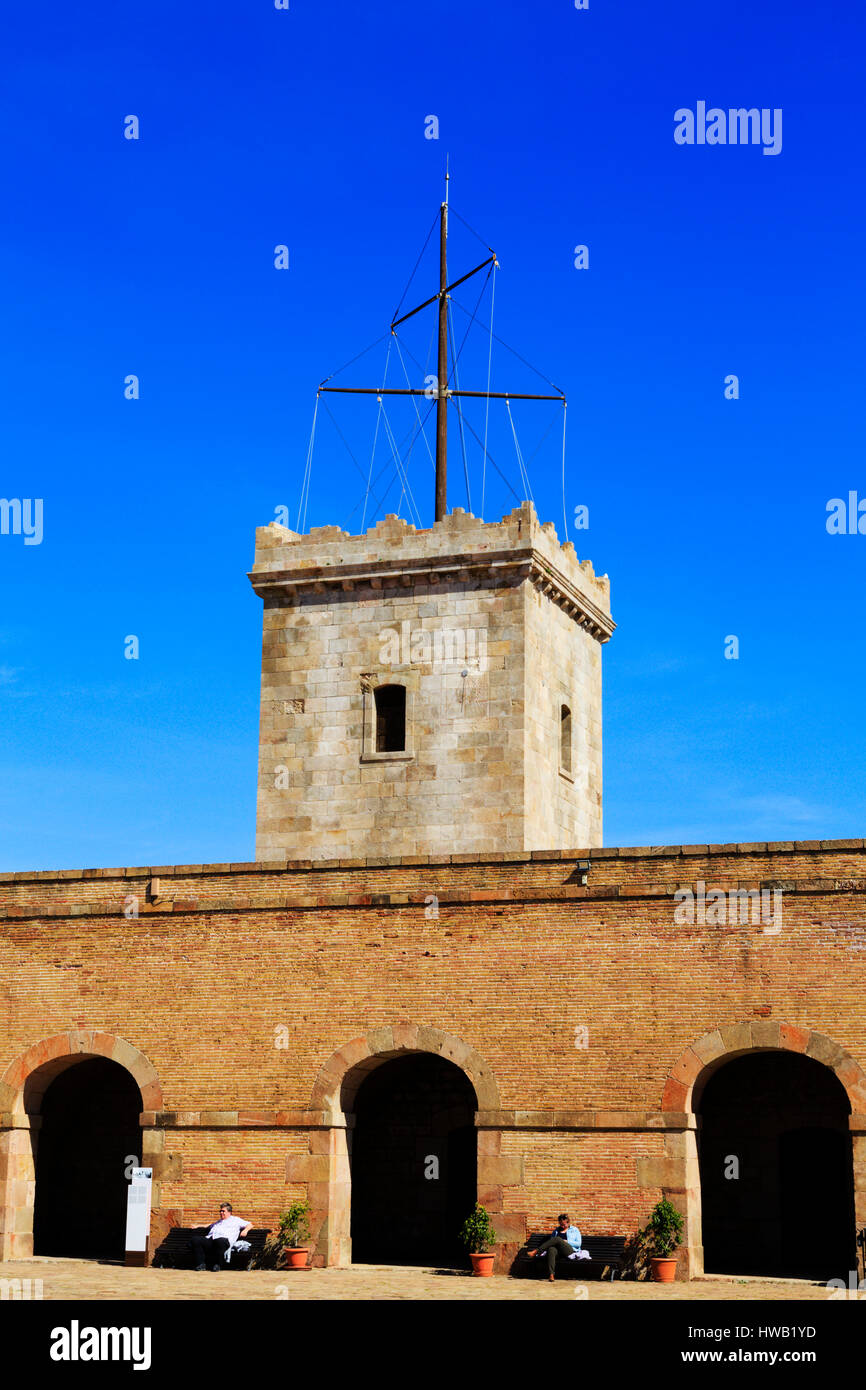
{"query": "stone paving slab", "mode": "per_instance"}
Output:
(89, 1280)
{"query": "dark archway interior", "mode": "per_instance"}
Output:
(90, 1125)
(414, 1163)
(780, 1121)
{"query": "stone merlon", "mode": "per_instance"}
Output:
(458, 548)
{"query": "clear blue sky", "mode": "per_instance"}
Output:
(156, 257)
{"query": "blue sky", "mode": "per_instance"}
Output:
(306, 128)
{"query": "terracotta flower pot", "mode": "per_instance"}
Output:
(297, 1258)
(482, 1264)
(664, 1268)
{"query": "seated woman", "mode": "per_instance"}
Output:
(565, 1240)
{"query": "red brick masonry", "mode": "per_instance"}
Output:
(248, 1001)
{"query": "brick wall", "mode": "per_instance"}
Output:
(241, 995)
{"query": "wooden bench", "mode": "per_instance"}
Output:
(607, 1253)
(175, 1252)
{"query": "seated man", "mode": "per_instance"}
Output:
(210, 1249)
(565, 1240)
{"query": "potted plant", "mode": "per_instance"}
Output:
(661, 1238)
(477, 1234)
(293, 1231)
(284, 1249)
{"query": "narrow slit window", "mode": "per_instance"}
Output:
(391, 719)
(565, 739)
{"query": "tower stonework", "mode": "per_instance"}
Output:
(428, 692)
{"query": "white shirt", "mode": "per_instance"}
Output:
(230, 1228)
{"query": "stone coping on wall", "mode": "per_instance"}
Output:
(552, 1121)
(284, 902)
(781, 847)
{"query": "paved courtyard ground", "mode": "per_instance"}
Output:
(94, 1281)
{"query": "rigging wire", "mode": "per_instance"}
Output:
(414, 432)
(414, 399)
(460, 417)
(470, 229)
(386, 466)
(378, 340)
(372, 456)
(514, 352)
(381, 504)
(383, 420)
(305, 485)
(410, 353)
(401, 476)
(487, 408)
(356, 358)
(490, 456)
(412, 276)
(471, 317)
(400, 469)
(376, 436)
(474, 312)
(537, 448)
(426, 368)
(523, 473)
(351, 455)
(565, 517)
(412, 444)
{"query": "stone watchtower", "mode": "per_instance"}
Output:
(428, 692)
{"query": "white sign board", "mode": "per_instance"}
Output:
(138, 1209)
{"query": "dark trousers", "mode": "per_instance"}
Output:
(206, 1251)
(554, 1246)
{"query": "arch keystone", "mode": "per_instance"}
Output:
(406, 1036)
(767, 1034)
(794, 1039)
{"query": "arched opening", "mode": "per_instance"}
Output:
(390, 718)
(413, 1162)
(89, 1129)
(776, 1168)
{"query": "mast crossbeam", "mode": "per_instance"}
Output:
(433, 395)
(447, 290)
(441, 393)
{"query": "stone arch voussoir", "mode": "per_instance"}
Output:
(735, 1039)
(25, 1080)
(379, 1044)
